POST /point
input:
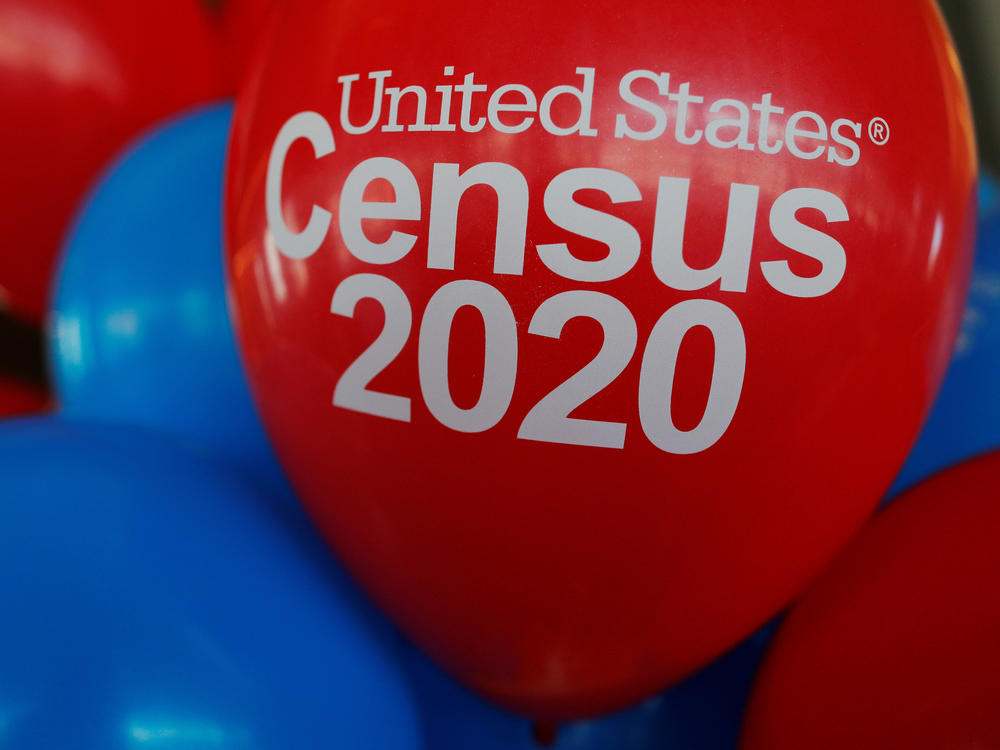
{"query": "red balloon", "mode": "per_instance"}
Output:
(17, 398)
(243, 23)
(77, 79)
(896, 645)
(573, 448)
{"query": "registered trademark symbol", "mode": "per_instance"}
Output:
(878, 131)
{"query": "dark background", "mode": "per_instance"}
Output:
(975, 25)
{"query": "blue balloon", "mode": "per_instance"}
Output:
(139, 330)
(989, 197)
(154, 599)
(965, 418)
(702, 713)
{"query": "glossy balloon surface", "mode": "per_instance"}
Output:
(243, 23)
(155, 600)
(77, 80)
(965, 420)
(896, 645)
(568, 554)
(139, 330)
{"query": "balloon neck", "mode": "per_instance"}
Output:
(545, 733)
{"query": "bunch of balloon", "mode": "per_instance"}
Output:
(576, 451)
(77, 80)
(212, 615)
(571, 447)
(965, 419)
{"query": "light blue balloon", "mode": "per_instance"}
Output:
(153, 599)
(139, 329)
(965, 418)
(702, 713)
